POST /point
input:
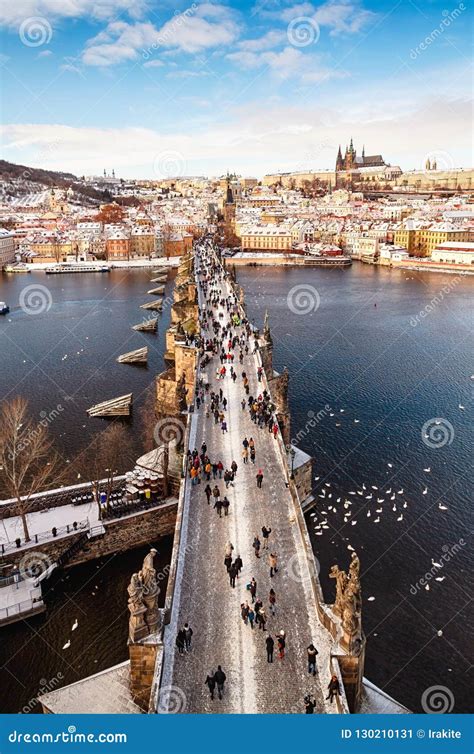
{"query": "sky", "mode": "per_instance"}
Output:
(164, 89)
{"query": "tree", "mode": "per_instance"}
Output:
(108, 454)
(28, 461)
(110, 214)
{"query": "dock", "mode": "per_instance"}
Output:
(148, 325)
(155, 305)
(139, 356)
(156, 291)
(120, 406)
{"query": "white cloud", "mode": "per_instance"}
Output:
(339, 16)
(44, 54)
(153, 64)
(196, 29)
(118, 43)
(255, 137)
(271, 39)
(12, 13)
(289, 63)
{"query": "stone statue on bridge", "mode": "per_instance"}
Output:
(348, 601)
(150, 592)
(181, 393)
(137, 628)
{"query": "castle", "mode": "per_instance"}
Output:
(351, 160)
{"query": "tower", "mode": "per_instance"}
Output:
(339, 160)
(428, 164)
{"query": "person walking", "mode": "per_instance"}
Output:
(309, 705)
(281, 641)
(210, 682)
(275, 431)
(188, 635)
(270, 644)
(232, 575)
(312, 652)
(259, 477)
(253, 589)
(225, 505)
(252, 455)
(220, 678)
(228, 562)
(218, 507)
(244, 612)
(180, 641)
(234, 468)
(334, 688)
(229, 548)
(273, 561)
(216, 492)
(261, 618)
(238, 564)
(208, 491)
(256, 546)
(245, 455)
(272, 601)
(266, 531)
(251, 617)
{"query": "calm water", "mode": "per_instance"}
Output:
(350, 355)
(392, 377)
(66, 356)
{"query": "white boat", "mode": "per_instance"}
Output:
(16, 268)
(66, 268)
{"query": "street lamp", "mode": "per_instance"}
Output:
(292, 455)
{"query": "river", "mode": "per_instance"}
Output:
(372, 363)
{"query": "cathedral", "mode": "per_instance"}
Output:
(352, 161)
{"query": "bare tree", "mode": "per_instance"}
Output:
(108, 455)
(28, 461)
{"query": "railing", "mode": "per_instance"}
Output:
(18, 608)
(45, 536)
(14, 578)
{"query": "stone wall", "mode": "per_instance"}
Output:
(120, 535)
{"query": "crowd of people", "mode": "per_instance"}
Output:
(226, 338)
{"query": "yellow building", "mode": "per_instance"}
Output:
(272, 238)
(49, 250)
(142, 242)
(420, 242)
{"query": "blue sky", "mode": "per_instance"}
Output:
(160, 88)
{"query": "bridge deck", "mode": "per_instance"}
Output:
(204, 597)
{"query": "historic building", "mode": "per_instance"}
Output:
(352, 161)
